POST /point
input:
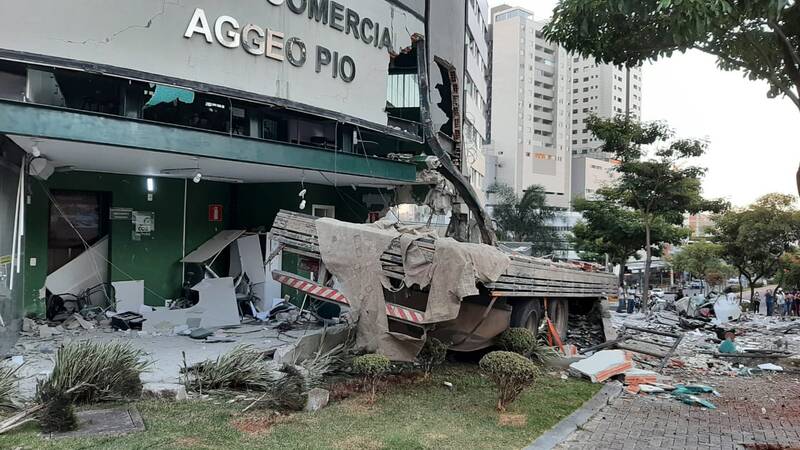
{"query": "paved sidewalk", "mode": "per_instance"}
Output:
(738, 422)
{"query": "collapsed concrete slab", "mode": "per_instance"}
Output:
(604, 365)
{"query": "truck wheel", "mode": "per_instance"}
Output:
(527, 314)
(558, 311)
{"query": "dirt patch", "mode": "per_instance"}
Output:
(512, 420)
(359, 405)
(258, 424)
(349, 387)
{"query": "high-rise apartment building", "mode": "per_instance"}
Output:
(531, 97)
(476, 93)
(602, 90)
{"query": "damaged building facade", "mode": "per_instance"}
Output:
(148, 146)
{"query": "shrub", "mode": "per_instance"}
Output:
(517, 340)
(244, 367)
(511, 372)
(372, 366)
(8, 382)
(88, 372)
(432, 354)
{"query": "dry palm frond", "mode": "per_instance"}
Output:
(244, 367)
(90, 372)
(8, 383)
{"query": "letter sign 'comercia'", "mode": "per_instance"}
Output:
(273, 44)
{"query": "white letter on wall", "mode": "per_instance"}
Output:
(231, 39)
(199, 24)
(275, 42)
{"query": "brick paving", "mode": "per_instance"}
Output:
(649, 422)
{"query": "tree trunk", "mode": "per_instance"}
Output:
(622, 274)
(798, 180)
(648, 260)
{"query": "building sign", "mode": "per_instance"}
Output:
(326, 54)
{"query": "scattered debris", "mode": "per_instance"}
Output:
(604, 365)
(770, 367)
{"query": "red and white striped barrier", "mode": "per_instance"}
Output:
(323, 293)
(309, 287)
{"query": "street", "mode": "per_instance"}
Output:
(750, 411)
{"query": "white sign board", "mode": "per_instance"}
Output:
(323, 53)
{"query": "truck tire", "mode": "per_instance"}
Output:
(527, 314)
(558, 312)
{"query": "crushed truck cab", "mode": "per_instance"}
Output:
(402, 283)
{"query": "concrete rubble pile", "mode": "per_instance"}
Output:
(756, 345)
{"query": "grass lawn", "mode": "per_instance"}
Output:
(422, 415)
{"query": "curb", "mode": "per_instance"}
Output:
(562, 430)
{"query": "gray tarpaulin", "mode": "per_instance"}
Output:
(352, 253)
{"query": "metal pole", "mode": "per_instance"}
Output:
(14, 234)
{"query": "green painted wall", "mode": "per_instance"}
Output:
(155, 258)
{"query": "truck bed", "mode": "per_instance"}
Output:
(525, 277)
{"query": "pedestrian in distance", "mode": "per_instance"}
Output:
(780, 303)
(769, 298)
(756, 302)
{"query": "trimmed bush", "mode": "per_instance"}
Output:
(432, 354)
(372, 366)
(511, 372)
(517, 340)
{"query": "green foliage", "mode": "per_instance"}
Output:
(517, 340)
(702, 260)
(789, 272)
(511, 372)
(760, 38)
(244, 367)
(89, 372)
(609, 229)
(525, 219)
(372, 366)
(433, 354)
(57, 414)
(657, 186)
(8, 386)
(754, 239)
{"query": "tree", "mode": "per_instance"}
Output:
(658, 186)
(754, 239)
(526, 218)
(608, 229)
(789, 270)
(759, 37)
(701, 260)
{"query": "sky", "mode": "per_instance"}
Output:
(753, 143)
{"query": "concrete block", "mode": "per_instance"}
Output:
(604, 365)
(165, 391)
(308, 345)
(317, 399)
